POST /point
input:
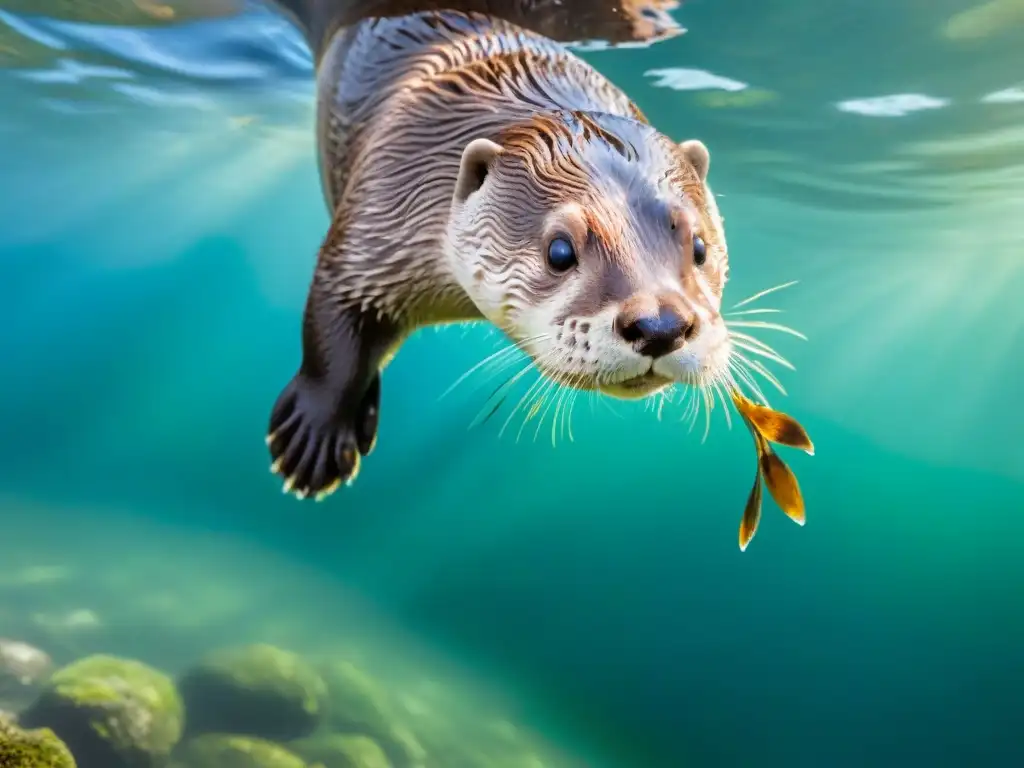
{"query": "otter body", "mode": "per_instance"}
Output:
(455, 149)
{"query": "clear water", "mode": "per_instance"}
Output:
(160, 213)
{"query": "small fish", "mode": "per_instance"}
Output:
(770, 426)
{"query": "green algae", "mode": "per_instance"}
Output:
(32, 749)
(215, 750)
(336, 750)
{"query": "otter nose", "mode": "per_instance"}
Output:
(656, 333)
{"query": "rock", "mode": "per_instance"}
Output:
(23, 670)
(216, 750)
(32, 749)
(336, 750)
(111, 712)
(358, 705)
(256, 690)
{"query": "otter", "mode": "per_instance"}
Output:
(476, 170)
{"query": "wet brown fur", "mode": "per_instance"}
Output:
(399, 99)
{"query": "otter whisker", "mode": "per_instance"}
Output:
(572, 406)
(760, 351)
(560, 412)
(739, 336)
(747, 338)
(532, 403)
(533, 392)
(690, 398)
(571, 381)
(691, 406)
(565, 379)
(506, 386)
(739, 367)
(765, 292)
(753, 366)
(508, 350)
(532, 365)
(552, 390)
(767, 375)
(559, 399)
(768, 327)
(574, 394)
(555, 390)
(720, 394)
(709, 405)
(662, 399)
(745, 312)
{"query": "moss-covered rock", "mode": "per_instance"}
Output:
(23, 670)
(215, 750)
(111, 712)
(32, 749)
(338, 750)
(256, 690)
(358, 705)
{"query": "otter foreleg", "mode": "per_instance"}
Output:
(326, 417)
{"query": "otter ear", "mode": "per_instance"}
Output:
(476, 162)
(698, 156)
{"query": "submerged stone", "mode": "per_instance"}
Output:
(32, 749)
(336, 750)
(357, 704)
(256, 690)
(23, 670)
(216, 750)
(111, 713)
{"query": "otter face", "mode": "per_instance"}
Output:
(595, 243)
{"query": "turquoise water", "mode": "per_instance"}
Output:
(160, 212)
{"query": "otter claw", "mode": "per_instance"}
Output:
(319, 444)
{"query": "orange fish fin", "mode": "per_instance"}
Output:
(751, 514)
(783, 486)
(774, 426)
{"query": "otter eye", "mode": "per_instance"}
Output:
(700, 251)
(561, 255)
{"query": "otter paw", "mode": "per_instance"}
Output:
(317, 438)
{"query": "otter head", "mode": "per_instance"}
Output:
(595, 243)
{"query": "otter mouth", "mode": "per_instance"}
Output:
(637, 386)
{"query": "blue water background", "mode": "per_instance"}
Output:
(160, 212)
